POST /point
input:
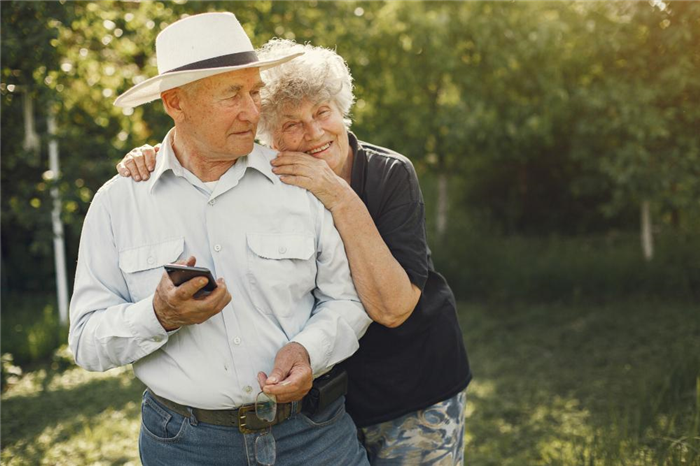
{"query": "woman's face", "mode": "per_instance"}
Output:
(315, 128)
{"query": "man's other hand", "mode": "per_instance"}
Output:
(291, 377)
(176, 306)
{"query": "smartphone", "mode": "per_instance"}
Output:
(179, 274)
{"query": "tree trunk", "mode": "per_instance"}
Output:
(442, 205)
(647, 237)
(31, 139)
(58, 243)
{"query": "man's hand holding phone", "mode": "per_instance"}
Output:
(176, 306)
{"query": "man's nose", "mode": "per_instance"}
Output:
(250, 110)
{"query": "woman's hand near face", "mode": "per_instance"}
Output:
(308, 172)
(139, 162)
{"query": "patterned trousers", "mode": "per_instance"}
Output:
(432, 436)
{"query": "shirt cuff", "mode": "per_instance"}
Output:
(142, 320)
(316, 345)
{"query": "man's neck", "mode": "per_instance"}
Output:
(202, 166)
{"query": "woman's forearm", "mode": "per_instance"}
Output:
(381, 282)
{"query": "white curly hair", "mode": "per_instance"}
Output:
(318, 75)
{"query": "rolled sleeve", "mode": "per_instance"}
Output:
(106, 329)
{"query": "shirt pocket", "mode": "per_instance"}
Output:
(281, 271)
(142, 265)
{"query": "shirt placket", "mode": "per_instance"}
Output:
(223, 241)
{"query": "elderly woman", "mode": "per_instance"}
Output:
(407, 381)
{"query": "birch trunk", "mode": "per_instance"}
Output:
(647, 236)
(31, 139)
(58, 242)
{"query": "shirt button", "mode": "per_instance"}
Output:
(212, 202)
(237, 341)
(217, 247)
(158, 339)
(151, 260)
(248, 388)
(282, 249)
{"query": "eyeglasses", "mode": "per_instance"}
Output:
(265, 446)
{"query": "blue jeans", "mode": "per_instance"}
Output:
(167, 438)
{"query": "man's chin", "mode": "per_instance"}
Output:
(242, 148)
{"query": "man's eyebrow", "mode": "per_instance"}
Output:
(233, 88)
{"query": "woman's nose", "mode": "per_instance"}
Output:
(313, 130)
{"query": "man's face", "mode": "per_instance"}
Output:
(221, 114)
(315, 128)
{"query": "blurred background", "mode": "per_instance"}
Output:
(557, 145)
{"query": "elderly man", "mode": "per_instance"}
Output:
(287, 306)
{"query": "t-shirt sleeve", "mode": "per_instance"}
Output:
(401, 222)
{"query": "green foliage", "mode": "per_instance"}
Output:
(30, 328)
(553, 117)
(642, 107)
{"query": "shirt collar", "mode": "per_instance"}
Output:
(259, 159)
(166, 160)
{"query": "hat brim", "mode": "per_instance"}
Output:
(150, 89)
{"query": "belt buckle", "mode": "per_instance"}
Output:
(250, 425)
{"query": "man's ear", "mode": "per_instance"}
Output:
(172, 101)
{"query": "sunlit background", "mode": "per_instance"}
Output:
(557, 145)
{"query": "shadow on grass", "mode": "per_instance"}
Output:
(65, 402)
(582, 384)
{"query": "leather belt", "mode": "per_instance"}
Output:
(243, 417)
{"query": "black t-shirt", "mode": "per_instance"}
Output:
(423, 361)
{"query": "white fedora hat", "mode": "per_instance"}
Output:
(195, 48)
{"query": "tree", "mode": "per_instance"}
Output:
(642, 115)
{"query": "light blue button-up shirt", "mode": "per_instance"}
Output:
(274, 244)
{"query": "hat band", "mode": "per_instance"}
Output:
(233, 59)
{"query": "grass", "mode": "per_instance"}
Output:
(67, 416)
(589, 385)
(612, 384)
